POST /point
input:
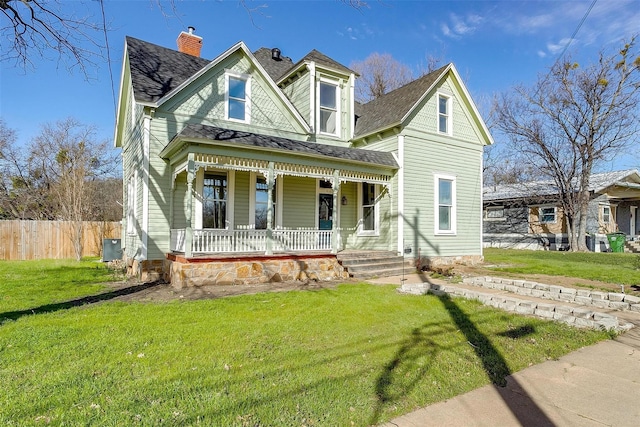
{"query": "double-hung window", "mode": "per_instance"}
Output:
(444, 114)
(214, 201)
(548, 214)
(606, 214)
(445, 204)
(369, 215)
(262, 203)
(237, 94)
(329, 114)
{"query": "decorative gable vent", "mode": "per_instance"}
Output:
(189, 43)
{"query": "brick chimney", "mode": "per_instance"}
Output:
(189, 42)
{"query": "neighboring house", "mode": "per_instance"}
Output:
(528, 215)
(250, 167)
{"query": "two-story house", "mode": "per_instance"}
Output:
(252, 167)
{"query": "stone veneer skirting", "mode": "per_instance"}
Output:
(248, 270)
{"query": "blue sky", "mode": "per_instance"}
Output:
(494, 45)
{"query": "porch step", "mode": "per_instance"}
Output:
(632, 247)
(366, 265)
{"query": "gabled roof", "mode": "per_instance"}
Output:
(275, 68)
(323, 60)
(157, 70)
(598, 183)
(390, 109)
(274, 143)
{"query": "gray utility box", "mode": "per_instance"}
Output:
(111, 250)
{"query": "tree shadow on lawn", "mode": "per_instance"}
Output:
(65, 305)
(520, 404)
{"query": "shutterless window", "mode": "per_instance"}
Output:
(444, 114)
(445, 204)
(548, 214)
(237, 98)
(606, 214)
(368, 207)
(328, 108)
(214, 201)
(262, 202)
(494, 213)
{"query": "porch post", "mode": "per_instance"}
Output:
(270, 182)
(335, 235)
(188, 238)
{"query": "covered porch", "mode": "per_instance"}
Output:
(241, 193)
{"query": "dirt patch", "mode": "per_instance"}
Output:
(163, 292)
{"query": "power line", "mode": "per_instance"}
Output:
(106, 41)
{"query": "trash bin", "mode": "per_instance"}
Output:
(616, 241)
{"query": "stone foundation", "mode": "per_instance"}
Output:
(182, 272)
(145, 271)
(425, 263)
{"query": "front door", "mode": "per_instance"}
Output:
(632, 220)
(325, 211)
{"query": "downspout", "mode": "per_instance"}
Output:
(400, 160)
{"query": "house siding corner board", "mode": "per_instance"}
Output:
(248, 270)
(423, 159)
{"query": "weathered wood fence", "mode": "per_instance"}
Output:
(22, 240)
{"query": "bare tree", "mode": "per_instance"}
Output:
(379, 74)
(573, 119)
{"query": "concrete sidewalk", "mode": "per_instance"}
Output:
(594, 386)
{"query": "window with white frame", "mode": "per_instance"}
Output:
(132, 201)
(214, 201)
(494, 213)
(548, 214)
(445, 204)
(444, 114)
(368, 208)
(329, 106)
(606, 214)
(237, 94)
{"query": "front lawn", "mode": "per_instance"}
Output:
(353, 355)
(613, 268)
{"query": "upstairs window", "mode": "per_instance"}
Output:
(237, 97)
(444, 114)
(329, 112)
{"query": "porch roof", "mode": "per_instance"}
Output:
(260, 141)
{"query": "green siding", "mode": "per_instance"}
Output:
(241, 198)
(298, 93)
(299, 202)
(180, 202)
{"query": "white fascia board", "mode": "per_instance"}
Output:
(116, 132)
(296, 68)
(426, 92)
(238, 46)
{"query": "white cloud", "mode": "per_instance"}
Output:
(555, 48)
(459, 26)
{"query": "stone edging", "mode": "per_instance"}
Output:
(573, 316)
(612, 300)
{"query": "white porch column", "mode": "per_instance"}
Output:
(188, 239)
(270, 182)
(400, 174)
(335, 235)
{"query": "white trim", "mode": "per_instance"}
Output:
(338, 109)
(376, 211)
(132, 202)
(633, 218)
(555, 214)
(231, 192)
(145, 186)
(400, 160)
(312, 96)
(279, 199)
(448, 114)
(247, 95)
(197, 205)
(436, 204)
(352, 106)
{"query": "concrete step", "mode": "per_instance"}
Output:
(387, 272)
(370, 264)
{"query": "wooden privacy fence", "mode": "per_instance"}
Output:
(22, 240)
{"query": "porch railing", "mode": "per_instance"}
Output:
(251, 240)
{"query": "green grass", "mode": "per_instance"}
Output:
(30, 284)
(615, 268)
(353, 355)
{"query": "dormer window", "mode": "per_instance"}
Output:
(444, 114)
(238, 88)
(329, 116)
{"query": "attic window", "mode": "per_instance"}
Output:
(444, 114)
(329, 108)
(237, 94)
